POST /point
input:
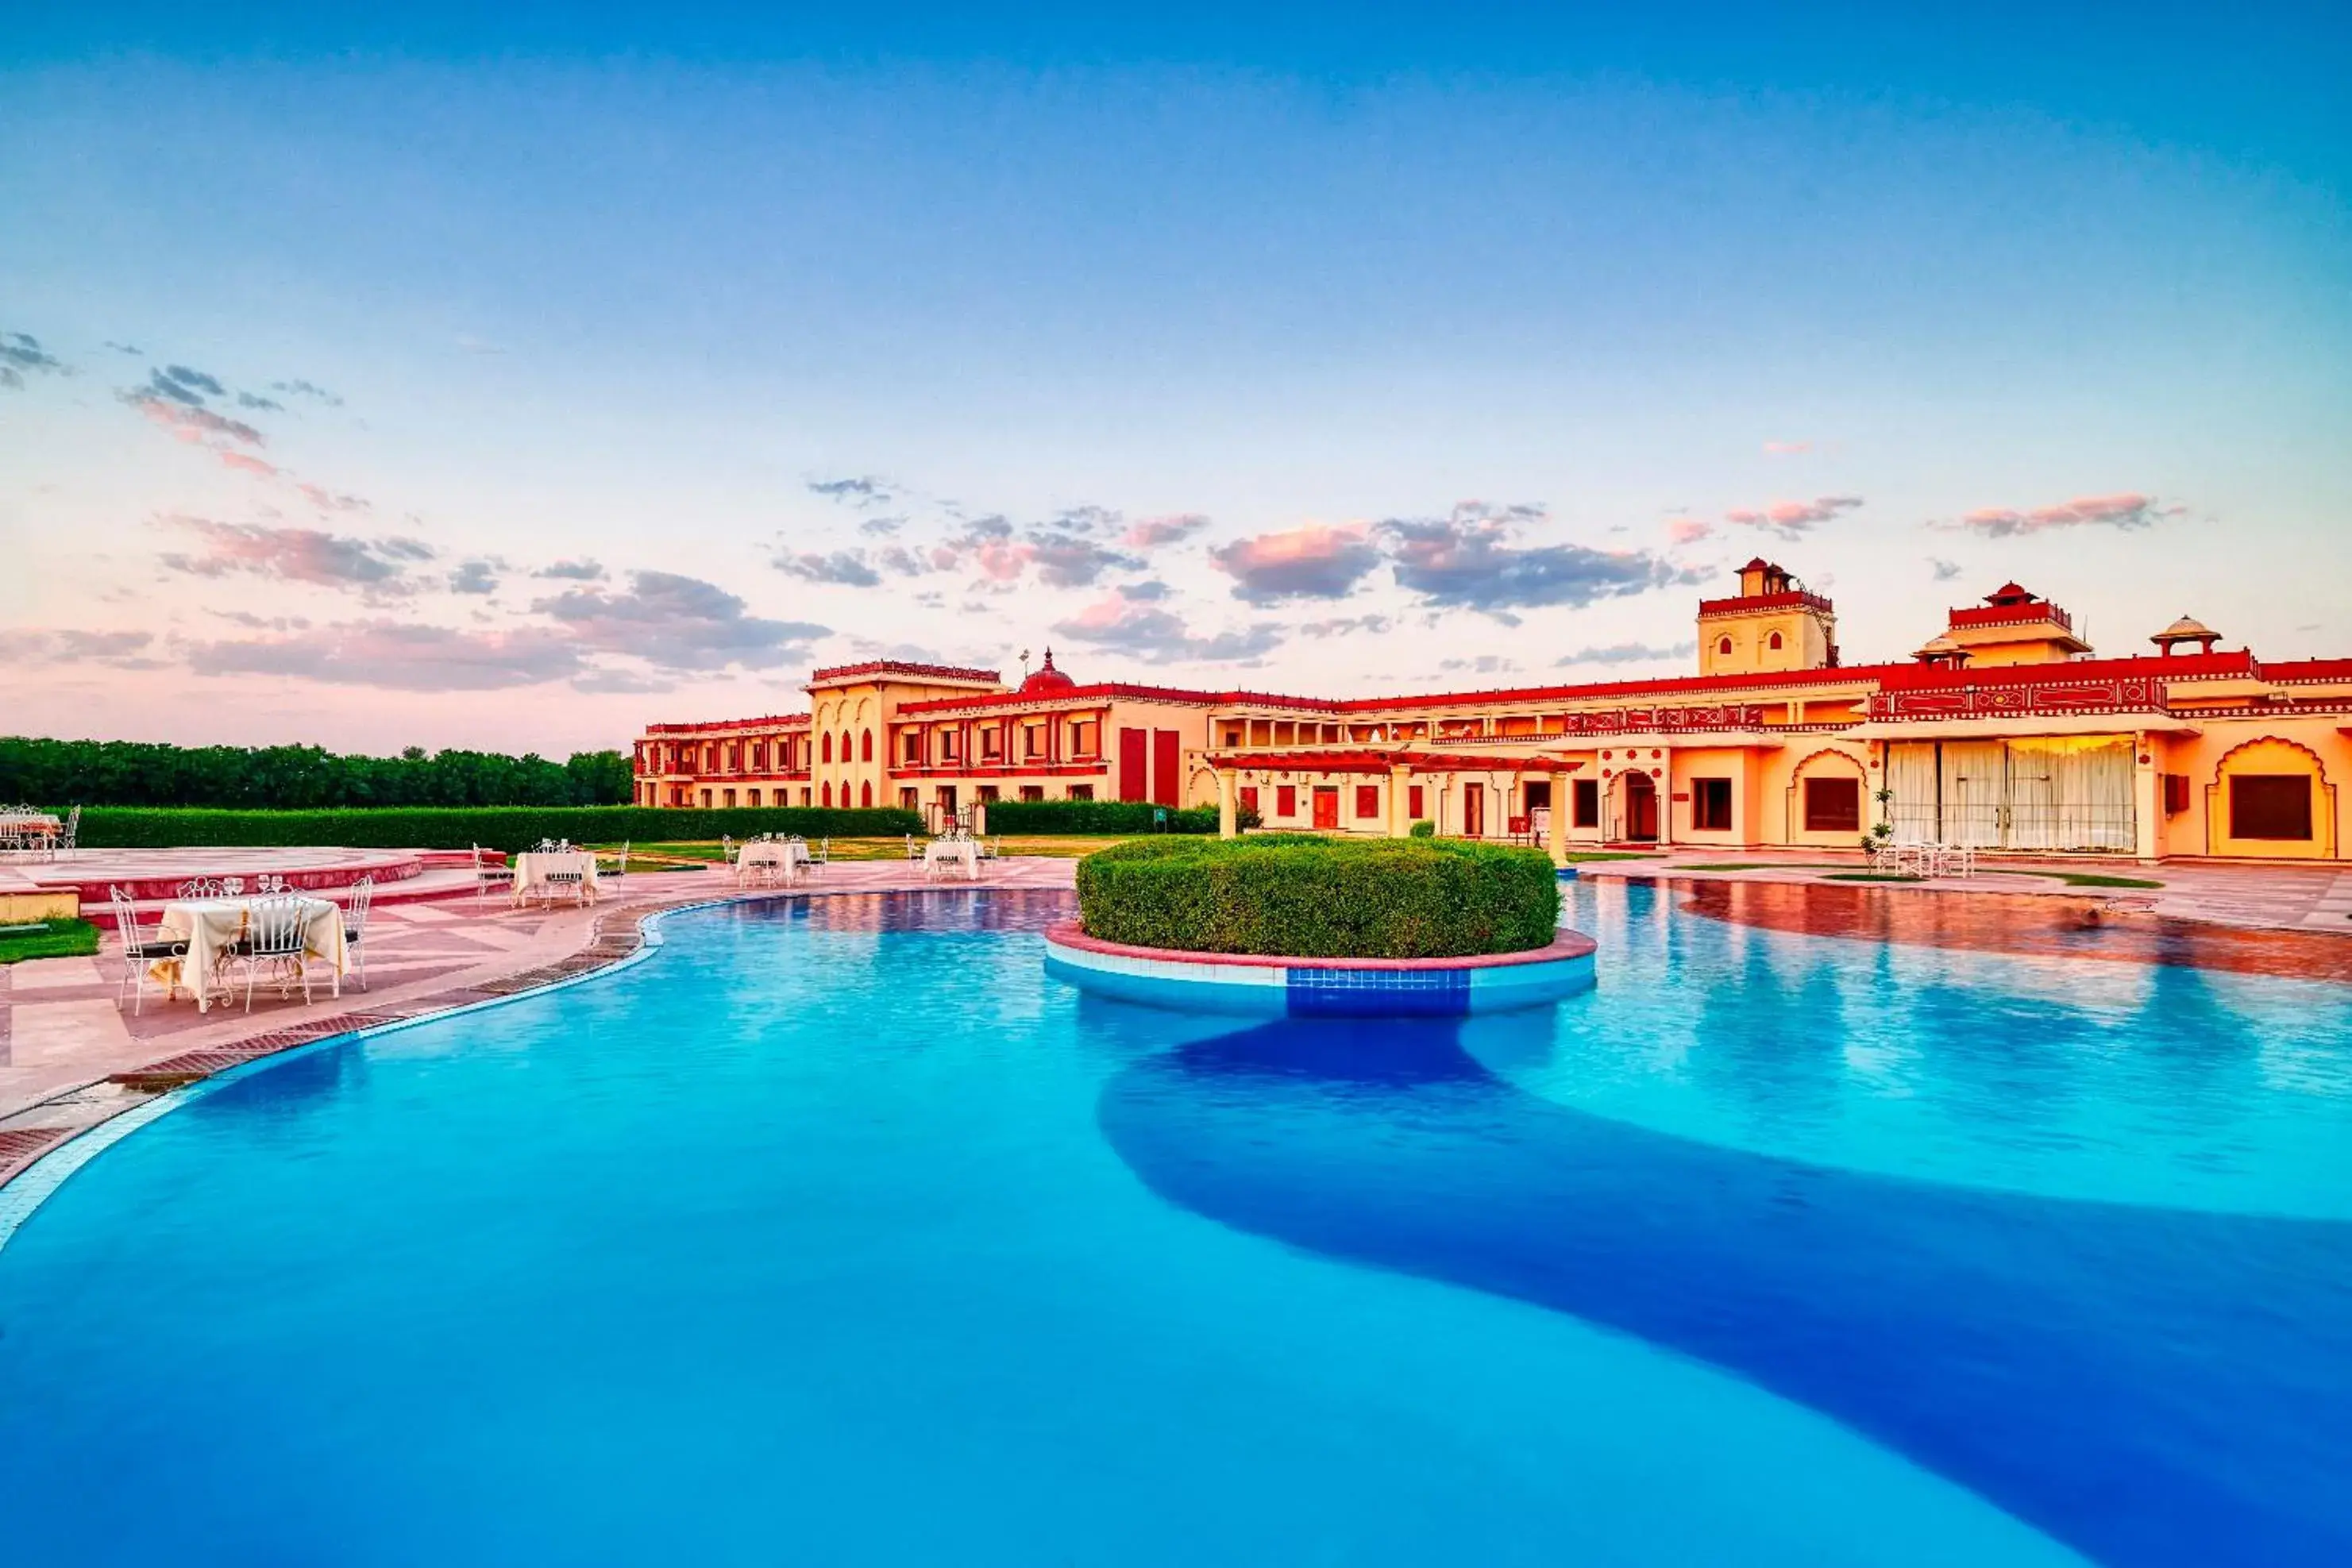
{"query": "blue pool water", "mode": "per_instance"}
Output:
(837, 1233)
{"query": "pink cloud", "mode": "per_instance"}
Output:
(1317, 561)
(193, 425)
(1785, 448)
(246, 462)
(1791, 519)
(1688, 530)
(1150, 533)
(2125, 509)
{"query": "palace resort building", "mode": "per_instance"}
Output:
(2004, 731)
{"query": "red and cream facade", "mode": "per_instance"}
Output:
(2003, 731)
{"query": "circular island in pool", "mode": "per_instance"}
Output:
(1301, 925)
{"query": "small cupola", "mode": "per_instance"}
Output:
(2187, 629)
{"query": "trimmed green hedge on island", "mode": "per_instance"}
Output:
(1302, 896)
(509, 827)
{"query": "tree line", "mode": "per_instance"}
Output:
(285, 777)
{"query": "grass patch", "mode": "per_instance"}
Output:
(55, 939)
(2081, 878)
(1578, 857)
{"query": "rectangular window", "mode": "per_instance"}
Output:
(706, 798)
(988, 794)
(1166, 778)
(1033, 743)
(1587, 803)
(1082, 791)
(727, 797)
(1416, 801)
(1286, 800)
(991, 744)
(2175, 794)
(1368, 803)
(1711, 805)
(806, 794)
(946, 745)
(1247, 799)
(1833, 805)
(910, 798)
(753, 796)
(1086, 738)
(2269, 805)
(911, 746)
(1033, 791)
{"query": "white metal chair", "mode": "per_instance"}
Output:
(355, 926)
(67, 836)
(819, 857)
(275, 936)
(138, 953)
(489, 878)
(203, 887)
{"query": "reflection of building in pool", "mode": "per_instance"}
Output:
(2003, 731)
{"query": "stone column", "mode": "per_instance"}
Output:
(1666, 799)
(2148, 805)
(1555, 830)
(1400, 822)
(1228, 817)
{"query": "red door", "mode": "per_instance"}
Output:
(1167, 777)
(1131, 744)
(1327, 806)
(1474, 811)
(1641, 808)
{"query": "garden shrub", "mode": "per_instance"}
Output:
(1097, 816)
(1424, 829)
(509, 827)
(1310, 897)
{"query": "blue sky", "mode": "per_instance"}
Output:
(392, 380)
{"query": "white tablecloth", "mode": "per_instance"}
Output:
(535, 873)
(38, 825)
(771, 858)
(941, 853)
(210, 926)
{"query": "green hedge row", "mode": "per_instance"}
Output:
(1097, 816)
(1320, 898)
(509, 827)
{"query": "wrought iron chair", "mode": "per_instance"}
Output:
(276, 937)
(66, 836)
(489, 878)
(355, 926)
(139, 953)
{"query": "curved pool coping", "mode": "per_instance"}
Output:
(23, 1193)
(1275, 985)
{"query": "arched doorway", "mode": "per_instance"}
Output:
(1640, 808)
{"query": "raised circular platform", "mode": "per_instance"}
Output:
(1267, 985)
(149, 874)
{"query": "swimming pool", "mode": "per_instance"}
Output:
(836, 1232)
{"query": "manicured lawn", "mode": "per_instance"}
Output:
(52, 939)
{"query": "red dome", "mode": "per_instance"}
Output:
(1048, 679)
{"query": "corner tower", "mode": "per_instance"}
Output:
(1772, 624)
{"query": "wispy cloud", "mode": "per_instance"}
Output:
(119, 650)
(1469, 560)
(307, 389)
(1150, 533)
(678, 622)
(582, 570)
(1317, 561)
(1630, 653)
(1786, 448)
(1688, 530)
(1480, 664)
(2125, 509)
(398, 656)
(21, 352)
(859, 490)
(1346, 626)
(477, 577)
(1793, 519)
(1945, 570)
(1151, 631)
(293, 555)
(191, 421)
(846, 569)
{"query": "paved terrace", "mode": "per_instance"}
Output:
(69, 1058)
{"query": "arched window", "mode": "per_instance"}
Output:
(1776, 639)
(865, 794)
(828, 791)
(1723, 647)
(826, 745)
(865, 749)
(845, 746)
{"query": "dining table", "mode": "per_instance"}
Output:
(26, 829)
(211, 927)
(549, 874)
(941, 855)
(766, 858)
